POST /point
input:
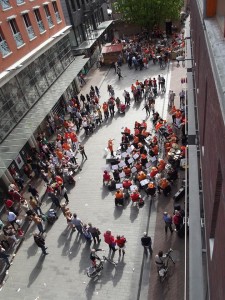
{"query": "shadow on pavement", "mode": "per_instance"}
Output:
(32, 250)
(134, 211)
(36, 271)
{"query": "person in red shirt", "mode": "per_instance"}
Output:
(110, 240)
(9, 206)
(120, 241)
(135, 196)
(127, 183)
(106, 177)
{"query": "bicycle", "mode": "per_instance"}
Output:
(93, 272)
(163, 270)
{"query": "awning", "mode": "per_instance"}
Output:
(11, 146)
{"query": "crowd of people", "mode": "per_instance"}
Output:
(147, 162)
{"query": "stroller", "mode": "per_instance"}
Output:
(51, 216)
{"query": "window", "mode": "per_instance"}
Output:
(57, 15)
(28, 26)
(48, 16)
(4, 49)
(5, 4)
(78, 4)
(73, 5)
(19, 2)
(16, 33)
(39, 20)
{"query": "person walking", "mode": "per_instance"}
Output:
(64, 194)
(82, 152)
(54, 199)
(120, 241)
(97, 91)
(33, 192)
(4, 256)
(77, 223)
(177, 220)
(110, 240)
(168, 222)
(38, 221)
(40, 242)
(147, 109)
(146, 242)
(119, 73)
(95, 232)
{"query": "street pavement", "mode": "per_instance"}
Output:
(62, 273)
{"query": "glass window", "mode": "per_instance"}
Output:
(13, 26)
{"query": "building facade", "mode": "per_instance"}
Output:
(208, 47)
(38, 72)
(91, 26)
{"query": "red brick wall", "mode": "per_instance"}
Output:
(30, 45)
(212, 137)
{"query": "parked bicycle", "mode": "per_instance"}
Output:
(96, 269)
(162, 262)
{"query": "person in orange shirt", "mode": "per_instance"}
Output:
(133, 88)
(105, 108)
(141, 176)
(106, 177)
(66, 146)
(59, 154)
(110, 146)
(151, 189)
(164, 185)
(161, 165)
(137, 82)
(119, 197)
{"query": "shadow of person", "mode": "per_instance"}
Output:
(90, 288)
(32, 250)
(134, 211)
(36, 271)
(63, 237)
(118, 212)
(119, 271)
(73, 251)
(84, 259)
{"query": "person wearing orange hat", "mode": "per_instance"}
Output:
(151, 189)
(119, 197)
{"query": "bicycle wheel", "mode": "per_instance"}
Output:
(110, 261)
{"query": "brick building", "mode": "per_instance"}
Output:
(207, 31)
(38, 73)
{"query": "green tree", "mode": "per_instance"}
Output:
(148, 13)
